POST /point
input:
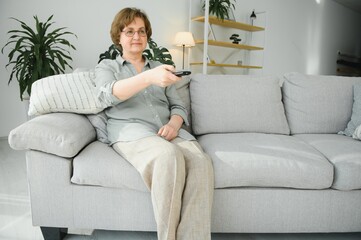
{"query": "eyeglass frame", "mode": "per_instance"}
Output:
(139, 33)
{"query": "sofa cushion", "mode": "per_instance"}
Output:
(62, 134)
(236, 103)
(99, 165)
(266, 160)
(318, 104)
(356, 112)
(345, 154)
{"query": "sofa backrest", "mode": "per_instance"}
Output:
(236, 103)
(318, 104)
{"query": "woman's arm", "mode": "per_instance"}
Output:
(111, 91)
(161, 76)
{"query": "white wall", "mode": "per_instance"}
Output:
(301, 36)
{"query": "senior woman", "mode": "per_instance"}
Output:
(145, 116)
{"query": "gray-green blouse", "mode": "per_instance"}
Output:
(143, 114)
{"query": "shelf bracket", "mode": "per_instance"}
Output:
(211, 32)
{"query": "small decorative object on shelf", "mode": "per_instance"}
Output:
(253, 17)
(235, 38)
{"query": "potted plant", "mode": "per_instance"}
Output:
(37, 53)
(160, 54)
(111, 53)
(219, 8)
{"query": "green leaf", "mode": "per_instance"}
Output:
(111, 53)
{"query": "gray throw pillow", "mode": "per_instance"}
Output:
(356, 112)
(62, 134)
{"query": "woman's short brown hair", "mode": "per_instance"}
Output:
(125, 17)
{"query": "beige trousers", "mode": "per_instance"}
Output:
(179, 176)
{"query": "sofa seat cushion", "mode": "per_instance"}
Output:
(266, 160)
(99, 165)
(344, 153)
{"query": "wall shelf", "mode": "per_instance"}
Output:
(229, 45)
(230, 24)
(227, 65)
(212, 20)
(348, 65)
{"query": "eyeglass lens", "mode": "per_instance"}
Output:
(131, 33)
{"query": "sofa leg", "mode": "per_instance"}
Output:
(53, 233)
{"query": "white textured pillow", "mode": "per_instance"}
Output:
(73, 92)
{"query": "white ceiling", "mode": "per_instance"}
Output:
(353, 4)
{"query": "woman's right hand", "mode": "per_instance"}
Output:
(162, 76)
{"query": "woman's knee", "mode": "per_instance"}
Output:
(168, 154)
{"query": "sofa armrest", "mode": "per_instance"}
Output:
(62, 134)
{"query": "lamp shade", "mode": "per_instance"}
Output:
(253, 15)
(184, 39)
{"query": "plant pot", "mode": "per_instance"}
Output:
(26, 102)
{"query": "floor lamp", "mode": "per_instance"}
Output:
(184, 39)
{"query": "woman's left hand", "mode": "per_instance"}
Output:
(168, 132)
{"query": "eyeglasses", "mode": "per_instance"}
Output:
(130, 33)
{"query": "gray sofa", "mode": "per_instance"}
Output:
(280, 165)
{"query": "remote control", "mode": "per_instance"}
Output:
(182, 73)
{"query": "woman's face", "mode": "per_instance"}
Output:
(138, 42)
